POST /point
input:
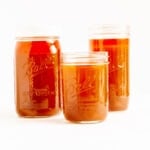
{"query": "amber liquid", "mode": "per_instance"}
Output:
(118, 50)
(37, 78)
(84, 92)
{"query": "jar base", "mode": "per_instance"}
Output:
(36, 113)
(85, 122)
(119, 103)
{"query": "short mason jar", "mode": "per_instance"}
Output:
(37, 75)
(85, 86)
(114, 39)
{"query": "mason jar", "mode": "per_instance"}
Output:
(114, 39)
(37, 75)
(85, 86)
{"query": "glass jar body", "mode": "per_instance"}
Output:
(115, 40)
(85, 87)
(37, 76)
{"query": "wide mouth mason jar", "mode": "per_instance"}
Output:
(114, 39)
(85, 86)
(37, 75)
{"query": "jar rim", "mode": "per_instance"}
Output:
(109, 30)
(36, 38)
(82, 57)
(37, 31)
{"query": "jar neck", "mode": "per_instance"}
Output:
(37, 38)
(89, 57)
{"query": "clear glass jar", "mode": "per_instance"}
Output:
(115, 40)
(37, 76)
(85, 86)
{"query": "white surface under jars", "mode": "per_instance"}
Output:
(121, 130)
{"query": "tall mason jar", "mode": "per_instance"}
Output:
(37, 75)
(115, 40)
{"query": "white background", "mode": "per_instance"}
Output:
(121, 130)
